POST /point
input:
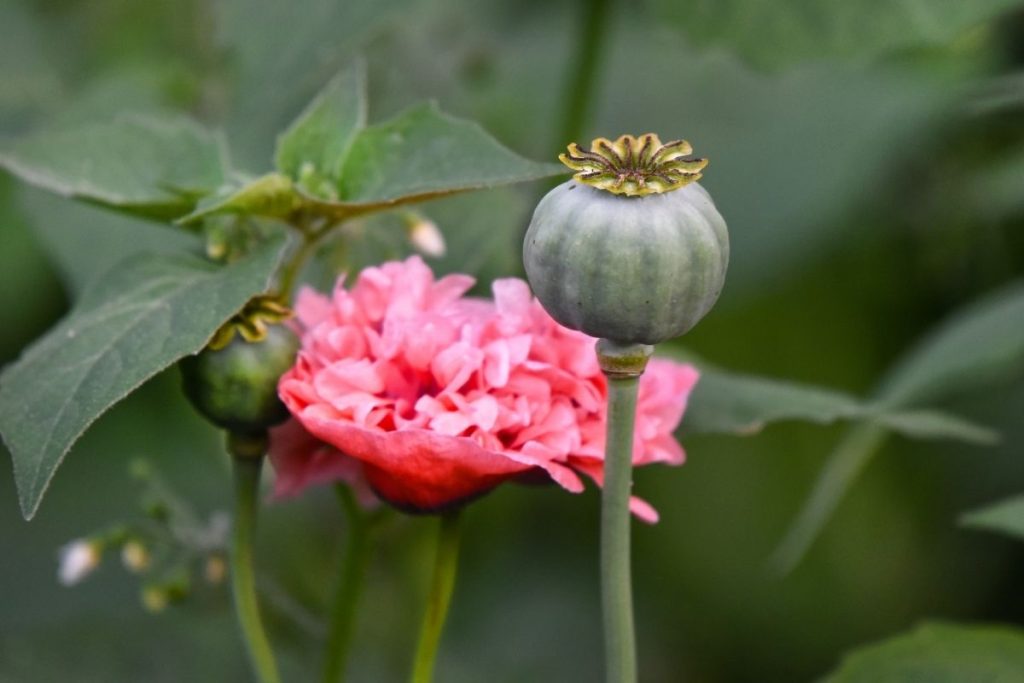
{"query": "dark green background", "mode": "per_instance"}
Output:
(870, 188)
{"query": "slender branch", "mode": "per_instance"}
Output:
(311, 238)
(622, 365)
(350, 585)
(291, 269)
(243, 584)
(441, 587)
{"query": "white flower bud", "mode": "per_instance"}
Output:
(425, 236)
(78, 559)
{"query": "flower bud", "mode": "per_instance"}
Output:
(424, 235)
(233, 382)
(135, 557)
(78, 559)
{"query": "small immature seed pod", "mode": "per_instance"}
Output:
(631, 249)
(233, 382)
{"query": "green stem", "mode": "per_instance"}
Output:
(291, 269)
(440, 596)
(243, 583)
(350, 585)
(583, 72)
(623, 366)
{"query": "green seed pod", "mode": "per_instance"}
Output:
(631, 249)
(233, 382)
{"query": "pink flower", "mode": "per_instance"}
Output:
(441, 397)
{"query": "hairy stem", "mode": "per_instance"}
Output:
(350, 586)
(243, 583)
(623, 366)
(442, 584)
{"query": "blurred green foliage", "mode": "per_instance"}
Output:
(872, 181)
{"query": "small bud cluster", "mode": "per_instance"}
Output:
(168, 550)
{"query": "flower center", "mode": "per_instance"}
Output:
(634, 166)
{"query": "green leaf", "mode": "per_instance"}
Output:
(743, 404)
(86, 241)
(841, 468)
(977, 346)
(791, 31)
(933, 424)
(319, 139)
(980, 345)
(939, 653)
(271, 80)
(342, 169)
(1006, 516)
(726, 402)
(142, 165)
(422, 154)
(270, 196)
(137, 320)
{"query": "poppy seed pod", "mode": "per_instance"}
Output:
(631, 249)
(233, 381)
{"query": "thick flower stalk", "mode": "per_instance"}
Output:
(632, 251)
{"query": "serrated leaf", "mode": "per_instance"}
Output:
(792, 31)
(422, 154)
(137, 320)
(939, 653)
(982, 344)
(1006, 517)
(319, 139)
(269, 196)
(141, 165)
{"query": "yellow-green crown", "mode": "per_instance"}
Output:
(251, 322)
(634, 166)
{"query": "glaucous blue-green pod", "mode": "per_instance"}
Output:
(631, 249)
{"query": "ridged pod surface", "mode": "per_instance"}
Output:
(631, 269)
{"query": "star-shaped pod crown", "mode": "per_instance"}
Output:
(251, 322)
(634, 166)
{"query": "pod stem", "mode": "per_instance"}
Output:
(622, 365)
(243, 583)
(350, 586)
(441, 587)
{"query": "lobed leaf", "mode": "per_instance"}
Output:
(938, 653)
(744, 404)
(725, 402)
(137, 320)
(1006, 516)
(980, 345)
(155, 167)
